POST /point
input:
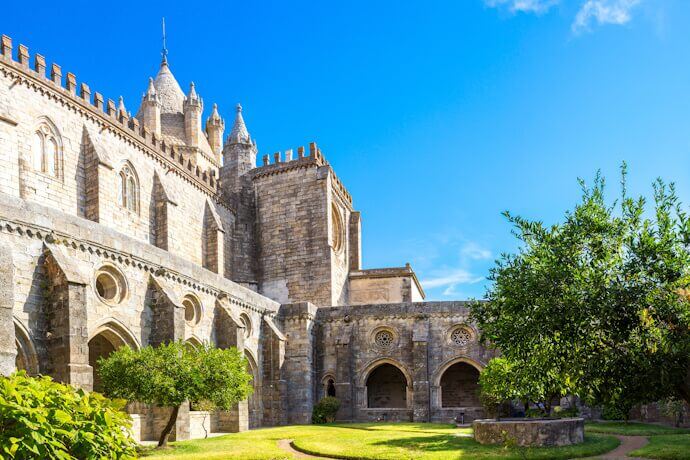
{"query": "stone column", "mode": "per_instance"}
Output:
(229, 333)
(298, 370)
(420, 372)
(8, 348)
(344, 378)
(274, 390)
(168, 325)
(65, 310)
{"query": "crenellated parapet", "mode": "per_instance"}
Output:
(285, 161)
(79, 97)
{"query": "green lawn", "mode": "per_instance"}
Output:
(676, 447)
(371, 441)
(632, 428)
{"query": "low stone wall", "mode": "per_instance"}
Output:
(529, 432)
(385, 415)
(199, 424)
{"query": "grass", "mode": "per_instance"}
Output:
(674, 447)
(423, 441)
(632, 428)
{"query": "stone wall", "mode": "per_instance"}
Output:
(301, 256)
(416, 338)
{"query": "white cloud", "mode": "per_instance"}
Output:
(603, 12)
(474, 251)
(525, 6)
(450, 278)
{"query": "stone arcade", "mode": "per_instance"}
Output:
(120, 230)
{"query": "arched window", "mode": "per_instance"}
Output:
(330, 388)
(45, 150)
(128, 195)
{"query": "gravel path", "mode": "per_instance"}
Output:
(628, 444)
(286, 445)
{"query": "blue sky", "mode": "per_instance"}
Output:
(437, 115)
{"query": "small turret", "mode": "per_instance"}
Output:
(192, 107)
(239, 155)
(151, 110)
(239, 133)
(214, 130)
(121, 110)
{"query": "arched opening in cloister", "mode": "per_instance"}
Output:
(386, 388)
(460, 386)
(27, 359)
(106, 340)
(254, 400)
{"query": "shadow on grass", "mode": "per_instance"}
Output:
(438, 443)
(396, 428)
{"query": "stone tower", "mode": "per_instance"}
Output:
(151, 110)
(214, 131)
(239, 159)
(192, 108)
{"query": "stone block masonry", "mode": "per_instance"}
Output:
(120, 230)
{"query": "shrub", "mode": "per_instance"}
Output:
(560, 412)
(325, 410)
(611, 412)
(174, 374)
(43, 419)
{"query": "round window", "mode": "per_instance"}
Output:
(192, 310)
(460, 336)
(110, 285)
(384, 339)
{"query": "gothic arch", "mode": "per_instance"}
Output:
(27, 358)
(117, 333)
(369, 368)
(104, 340)
(436, 379)
(128, 187)
(254, 401)
(46, 148)
(328, 384)
(195, 342)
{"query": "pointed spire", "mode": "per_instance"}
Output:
(151, 90)
(164, 51)
(192, 92)
(215, 116)
(121, 106)
(239, 133)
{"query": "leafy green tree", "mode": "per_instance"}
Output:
(40, 418)
(597, 305)
(174, 374)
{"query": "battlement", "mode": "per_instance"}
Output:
(285, 161)
(104, 111)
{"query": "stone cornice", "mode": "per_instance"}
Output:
(57, 237)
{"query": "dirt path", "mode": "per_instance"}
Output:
(628, 444)
(286, 445)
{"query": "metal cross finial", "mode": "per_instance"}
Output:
(164, 52)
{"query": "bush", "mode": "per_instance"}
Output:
(611, 412)
(43, 419)
(325, 410)
(560, 412)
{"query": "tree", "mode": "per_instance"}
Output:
(597, 303)
(174, 374)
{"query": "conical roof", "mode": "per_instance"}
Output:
(168, 90)
(239, 129)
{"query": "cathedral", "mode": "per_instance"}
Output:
(134, 230)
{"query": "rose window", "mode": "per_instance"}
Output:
(460, 336)
(384, 339)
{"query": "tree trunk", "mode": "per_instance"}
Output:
(163, 441)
